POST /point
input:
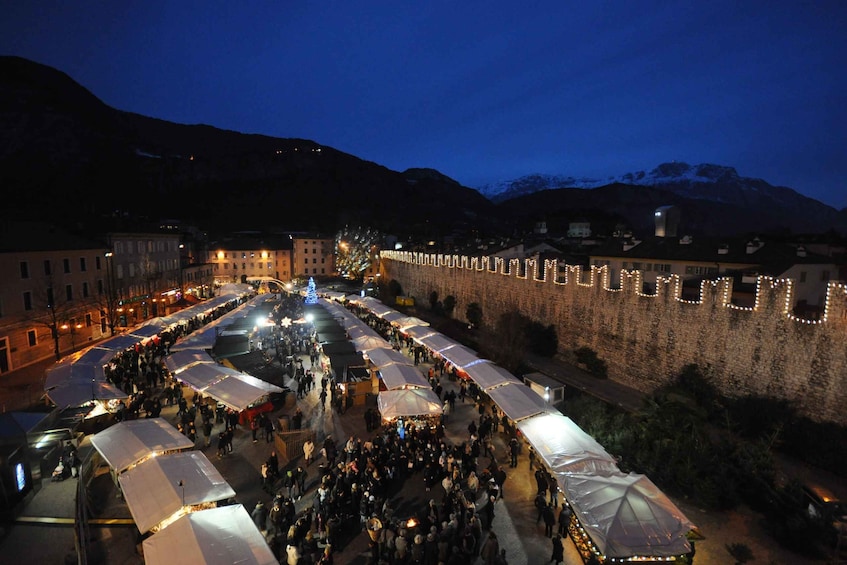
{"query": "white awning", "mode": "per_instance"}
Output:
(459, 355)
(181, 360)
(487, 375)
(627, 515)
(384, 357)
(78, 393)
(419, 332)
(518, 401)
(407, 322)
(408, 402)
(565, 447)
(128, 443)
(437, 342)
(153, 493)
(219, 536)
(400, 376)
(365, 343)
(393, 316)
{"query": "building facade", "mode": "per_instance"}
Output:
(314, 256)
(235, 260)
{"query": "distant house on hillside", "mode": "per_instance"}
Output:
(696, 259)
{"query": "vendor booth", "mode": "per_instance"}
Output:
(550, 389)
(383, 357)
(219, 536)
(518, 401)
(162, 489)
(393, 404)
(487, 375)
(396, 376)
(437, 342)
(179, 361)
(365, 343)
(459, 355)
(417, 333)
(129, 443)
(564, 447)
(625, 518)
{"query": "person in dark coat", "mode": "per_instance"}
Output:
(564, 520)
(549, 520)
(558, 555)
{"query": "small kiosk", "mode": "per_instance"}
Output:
(551, 390)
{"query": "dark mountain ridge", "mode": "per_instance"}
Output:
(66, 156)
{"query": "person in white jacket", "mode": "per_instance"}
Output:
(293, 554)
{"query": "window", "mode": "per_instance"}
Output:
(323, 260)
(48, 267)
(85, 290)
(66, 264)
(306, 260)
(97, 264)
(636, 265)
(32, 338)
(314, 271)
(27, 300)
(24, 269)
(69, 292)
(103, 321)
(662, 268)
(243, 266)
(314, 260)
(51, 299)
(322, 271)
(82, 266)
(100, 286)
(824, 276)
(88, 321)
(802, 276)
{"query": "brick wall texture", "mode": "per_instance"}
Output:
(646, 340)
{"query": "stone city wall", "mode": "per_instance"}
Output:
(644, 339)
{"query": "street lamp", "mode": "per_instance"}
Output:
(72, 330)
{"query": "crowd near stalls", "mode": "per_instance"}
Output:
(611, 516)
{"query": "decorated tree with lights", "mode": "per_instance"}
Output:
(355, 250)
(311, 292)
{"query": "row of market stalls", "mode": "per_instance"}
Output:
(178, 499)
(80, 379)
(617, 517)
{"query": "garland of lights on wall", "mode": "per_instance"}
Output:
(631, 281)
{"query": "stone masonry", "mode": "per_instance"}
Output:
(646, 340)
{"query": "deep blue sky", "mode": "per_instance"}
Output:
(482, 91)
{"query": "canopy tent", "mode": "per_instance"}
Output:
(408, 402)
(393, 316)
(488, 375)
(203, 338)
(95, 355)
(65, 373)
(437, 342)
(334, 295)
(419, 332)
(518, 401)
(365, 343)
(218, 536)
(398, 376)
(379, 309)
(149, 329)
(120, 343)
(361, 329)
(153, 493)
(565, 447)
(228, 386)
(181, 360)
(627, 515)
(459, 355)
(128, 443)
(384, 357)
(407, 322)
(77, 393)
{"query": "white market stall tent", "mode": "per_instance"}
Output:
(78, 393)
(459, 355)
(358, 329)
(436, 342)
(626, 515)
(384, 357)
(408, 402)
(365, 343)
(155, 497)
(128, 443)
(182, 360)
(487, 375)
(402, 376)
(230, 387)
(407, 322)
(518, 401)
(218, 536)
(564, 446)
(417, 333)
(393, 316)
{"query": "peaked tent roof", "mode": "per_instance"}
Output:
(385, 356)
(181, 360)
(408, 402)
(365, 343)
(219, 536)
(518, 401)
(487, 375)
(627, 515)
(437, 342)
(78, 393)
(459, 355)
(128, 443)
(419, 332)
(399, 376)
(152, 491)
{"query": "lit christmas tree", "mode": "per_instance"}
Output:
(311, 293)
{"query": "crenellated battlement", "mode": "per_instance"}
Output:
(772, 295)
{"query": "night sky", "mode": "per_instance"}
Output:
(481, 91)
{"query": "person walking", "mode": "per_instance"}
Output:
(514, 447)
(308, 451)
(490, 550)
(558, 555)
(549, 520)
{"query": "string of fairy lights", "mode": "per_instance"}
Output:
(669, 286)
